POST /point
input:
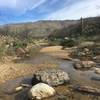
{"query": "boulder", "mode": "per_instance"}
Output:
(52, 77)
(84, 64)
(40, 91)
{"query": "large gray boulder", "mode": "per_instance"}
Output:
(52, 77)
(40, 91)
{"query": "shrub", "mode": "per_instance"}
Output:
(68, 43)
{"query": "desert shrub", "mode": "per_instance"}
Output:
(54, 41)
(68, 43)
(33, 51)
(19, 44)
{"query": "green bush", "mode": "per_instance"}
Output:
(68, 43)
(19, 45)
(54, 41)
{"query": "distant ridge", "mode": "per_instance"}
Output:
(44, 27)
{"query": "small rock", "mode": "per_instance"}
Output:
(84, 64)
(40, 91)
(62, 97)
(86, 50)
(97, 70)
(53, 77)
(97, 58)
(81, 54)
(95, 78)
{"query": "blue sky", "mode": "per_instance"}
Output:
(17, 11)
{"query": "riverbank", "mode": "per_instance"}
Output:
(10, 70)
(20, 72)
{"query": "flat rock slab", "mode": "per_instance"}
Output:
(87, 89)
(53, 77)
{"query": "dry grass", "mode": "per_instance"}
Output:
(11, 71)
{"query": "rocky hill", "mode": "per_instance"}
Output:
(36, 29)
(88, 27)
(49, 28)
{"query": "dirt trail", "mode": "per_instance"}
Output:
(57, 52)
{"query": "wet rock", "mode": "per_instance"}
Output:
(84, 64)
(62, 97)
(81, 54)
(86, 50)
(97, 70)
(40, 91)
(52, 77)
(96, 58)
(75, 60)
(96, 78)
(87, 89)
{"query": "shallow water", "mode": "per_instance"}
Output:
(77, 77)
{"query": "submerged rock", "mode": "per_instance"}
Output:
(40, 91)
(95, 78)
(87, 89)
(52, 77)
(84, 64)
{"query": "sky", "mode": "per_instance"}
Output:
(18, 11)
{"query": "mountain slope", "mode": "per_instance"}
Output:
(52, 28)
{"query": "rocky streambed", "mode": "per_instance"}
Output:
(81, 86)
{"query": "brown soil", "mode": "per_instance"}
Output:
(57, 52)
(10, 70)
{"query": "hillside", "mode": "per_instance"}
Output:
(37, 29)
(87, 27)
(53, 28)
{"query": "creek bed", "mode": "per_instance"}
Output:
(77, 77)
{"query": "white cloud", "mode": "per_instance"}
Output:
(28, 4)
(20, 6)
(85, 8)
(7, 3)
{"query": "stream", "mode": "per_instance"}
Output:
(76, 76)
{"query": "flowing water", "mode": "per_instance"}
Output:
(77, 77)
